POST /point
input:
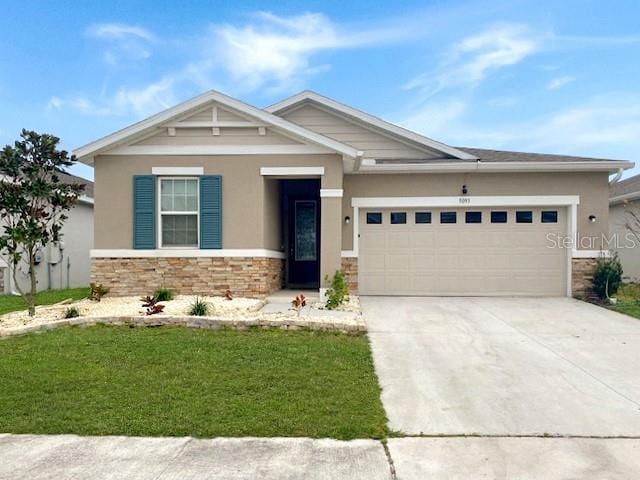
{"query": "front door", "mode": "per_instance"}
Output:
(303, 242)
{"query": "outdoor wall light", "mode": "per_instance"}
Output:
(347, 219)
(592, 218)
(464, 189)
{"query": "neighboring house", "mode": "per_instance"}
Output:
(65, 264)
(624, 204)
(215, 193)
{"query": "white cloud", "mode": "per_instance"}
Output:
(269, 52)
(55, 103)
(278, 50)
(559, 82)
(470, 60)
(124, 42)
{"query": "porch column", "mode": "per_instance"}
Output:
(330, 233)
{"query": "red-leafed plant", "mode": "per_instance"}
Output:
(152, 310)
(299, 303)
(228, 295)
(152, 305)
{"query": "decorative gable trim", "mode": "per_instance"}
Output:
(87, 152)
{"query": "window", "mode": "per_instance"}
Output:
(179, 212)
(499, 217)
(524, 216)
(398, 217)
(447, 217)
(473, 217)
(423, 217)
(549, 216)
(374, 218)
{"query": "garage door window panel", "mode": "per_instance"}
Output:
(549, 216)
(423, 217)
(473, 217)
(374, 218)
(524, 216)
(499, 217)
(448, 217)
(398, 218)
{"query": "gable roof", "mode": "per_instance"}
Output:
(627, 189)
(308, 96)
(86, 153)
(489, 155)
(69, 178)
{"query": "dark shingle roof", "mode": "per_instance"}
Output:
(486, 155)
(624, 187)
(88, 184)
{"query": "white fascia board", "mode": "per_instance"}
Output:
(369, 119)
(177, 170)
(627, 197)
(590, 254)
(291, 171)
(466, 201)
(220, 150)
(86, 199)
(331, 192)
(186, 253)
(453, 166)
(88, 151)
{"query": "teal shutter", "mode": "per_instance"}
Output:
(211, 211)
(144, 212)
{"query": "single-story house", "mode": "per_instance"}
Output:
(214, 193)
(624, 219)
(65, 264)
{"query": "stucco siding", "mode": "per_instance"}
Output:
(374, 144)
(591, 187)
(248, 220)
(627, 244)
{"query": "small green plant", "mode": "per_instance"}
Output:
(97, 291)
(163, 294)
(338, 292)
(199, 308)
(71, 312)
(607, 277)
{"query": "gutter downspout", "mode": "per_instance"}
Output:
(617, 177)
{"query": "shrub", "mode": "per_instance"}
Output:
(338, 292)
(71, 312)
(607, 277)
(97, 291)
(199, 308)
(228, 295)
(152, 305)
(163, 294)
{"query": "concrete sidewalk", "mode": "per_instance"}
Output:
(62, 457)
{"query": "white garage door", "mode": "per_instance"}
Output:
(475, 251)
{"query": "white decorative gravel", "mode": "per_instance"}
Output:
(132, 306)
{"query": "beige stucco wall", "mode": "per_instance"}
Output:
(249, 200)
(625, 242)
(591, 187)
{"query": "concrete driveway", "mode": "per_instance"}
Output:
(506, 366)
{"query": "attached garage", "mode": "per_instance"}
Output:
(473, 251)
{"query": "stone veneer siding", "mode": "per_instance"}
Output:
(582, 276)
(350, 272)
(245, 276)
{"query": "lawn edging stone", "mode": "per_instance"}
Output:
(210, 323)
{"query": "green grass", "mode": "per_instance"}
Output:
(12, 303)
(628, 300)
(177, 381)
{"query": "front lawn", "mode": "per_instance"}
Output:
(13, 303)
(178, 382)
(628, 300)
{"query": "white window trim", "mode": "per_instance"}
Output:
(160, 212)
(187, 253)
(571, 203)
(177, 170)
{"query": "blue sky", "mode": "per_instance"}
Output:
(543, 76)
